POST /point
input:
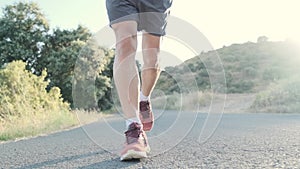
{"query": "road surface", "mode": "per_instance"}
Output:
(240, 141)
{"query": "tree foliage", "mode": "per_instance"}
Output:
(61, 52)
(25, 35)
(92, 81)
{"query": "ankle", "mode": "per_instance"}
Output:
(143, 97)
(132, 120)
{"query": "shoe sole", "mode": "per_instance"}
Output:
(132, 154)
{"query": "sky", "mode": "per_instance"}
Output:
(221, 22)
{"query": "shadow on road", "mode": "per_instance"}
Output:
(115, 163)
(62, 160)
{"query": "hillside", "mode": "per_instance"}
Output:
(249, 67)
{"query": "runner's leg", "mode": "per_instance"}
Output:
(125, 70)
(150, 70)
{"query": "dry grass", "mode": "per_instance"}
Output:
(29, 126)
(19, 128)
(86, 117)
(188, 101)
(234, 103)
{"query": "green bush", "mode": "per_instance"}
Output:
(26, 106)
(271, 74)
(280, 98)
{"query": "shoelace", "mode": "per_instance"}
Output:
(144, 106)
(133, 133)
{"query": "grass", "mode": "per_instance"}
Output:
(17, 127)
(49, 122)
(86, 117)
(177, 101)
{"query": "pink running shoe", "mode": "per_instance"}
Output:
(146, 115)
(136, 146)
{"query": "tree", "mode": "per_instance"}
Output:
(59, 58)
(262, 39)
(92, 77)
(23, 34)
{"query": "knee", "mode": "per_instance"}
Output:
(126, 39)
(151, 58)
(126, 47)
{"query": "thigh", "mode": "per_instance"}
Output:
(125, 29)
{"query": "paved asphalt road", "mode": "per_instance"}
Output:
(241, 141)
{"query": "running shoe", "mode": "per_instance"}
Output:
(136, 145)
(146, 115)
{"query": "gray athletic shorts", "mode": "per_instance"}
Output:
(150, 15)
